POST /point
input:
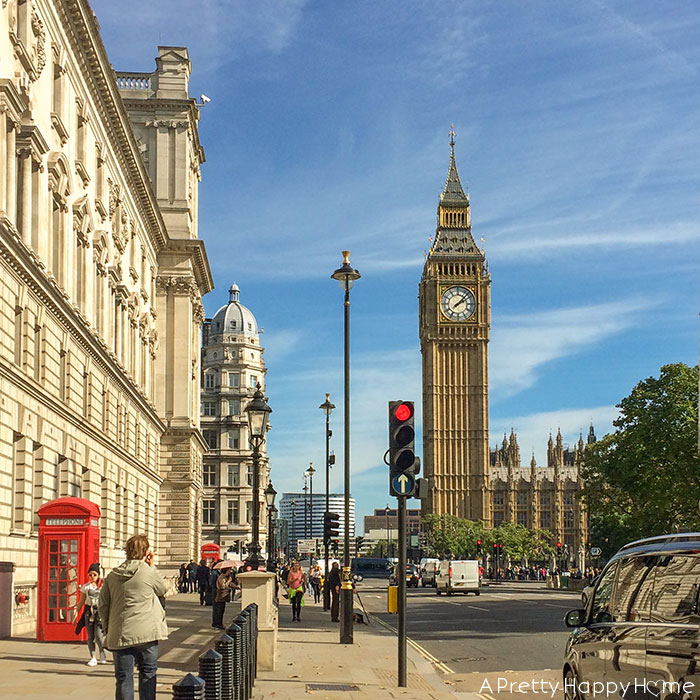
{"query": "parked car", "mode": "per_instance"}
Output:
(641, 621)
(412, 574)
(458, 576)
(428, 569)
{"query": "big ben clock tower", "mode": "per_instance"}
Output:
(455, 318)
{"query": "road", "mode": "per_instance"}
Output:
(514, 629)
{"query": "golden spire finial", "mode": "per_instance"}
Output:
(452, 134)
(346, 257)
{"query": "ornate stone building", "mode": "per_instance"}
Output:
(467, 479)
(101, 278)
(233, 365)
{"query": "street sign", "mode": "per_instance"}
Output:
(596, 551)
(308, 546)
(403, 484)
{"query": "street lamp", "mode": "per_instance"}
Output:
(327, 408)
(306, 506)
(346, 276)
(258, 413)
(294, 526)
(310, 473)
(270, 494)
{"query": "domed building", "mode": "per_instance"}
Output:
(232, 366)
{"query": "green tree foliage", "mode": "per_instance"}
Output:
(451, 537)
(644, 478)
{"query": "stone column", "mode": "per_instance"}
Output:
(10, 190)
(25, 224)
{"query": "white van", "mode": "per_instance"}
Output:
(458, 576)
(428, 571)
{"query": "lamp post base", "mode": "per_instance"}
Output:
(346, 616)
(253, 562)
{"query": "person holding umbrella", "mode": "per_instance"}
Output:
(225, 585)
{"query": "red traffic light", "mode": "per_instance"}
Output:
(478, 542)
(558, 545)
(495, 546)
(500, 546)
(403, 412)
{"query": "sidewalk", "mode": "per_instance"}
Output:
(34, 670)
(309, 654)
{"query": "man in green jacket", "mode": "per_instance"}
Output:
(133, 619)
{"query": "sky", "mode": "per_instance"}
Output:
(577, 137)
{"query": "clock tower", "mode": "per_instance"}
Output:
(455, 318)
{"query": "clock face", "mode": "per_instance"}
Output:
(458, 303)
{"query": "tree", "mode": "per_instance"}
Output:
(643, 479)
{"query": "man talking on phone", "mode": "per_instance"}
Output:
(133, 619)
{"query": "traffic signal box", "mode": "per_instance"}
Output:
(403, 463)
(331, 526)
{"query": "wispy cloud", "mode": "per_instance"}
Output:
(522, 345)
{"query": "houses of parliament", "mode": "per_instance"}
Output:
(467, 478)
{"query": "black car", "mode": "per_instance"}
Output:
(638, 634)
(412, 574)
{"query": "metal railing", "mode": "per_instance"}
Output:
(227, 672)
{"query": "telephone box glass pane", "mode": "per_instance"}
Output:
(53, 559)
(53, 546)
(52, 615)
(65, 544)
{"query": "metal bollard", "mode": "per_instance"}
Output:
(236, 634)
(189, 688)
(224, 645)
(243, 621)
(210, 671)
(254, 635)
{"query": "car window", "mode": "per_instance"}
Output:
(633, 589)
(675, 596)
(600, 608)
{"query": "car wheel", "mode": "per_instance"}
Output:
(448, 592)
(438, 591)
(477, 592)
(571, 691)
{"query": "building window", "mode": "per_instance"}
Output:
(209, 408)
(209, 475)
(522, 498)
(209, 511)
(568, 518)
(233, 475)
(232, 325)
(545, 519)
(234, 439)
(497, 518)
(253, 381)
(545, 498)
(250, 475)
(211, 437)
(521, 517)
(234, 380)
(248, 511)
(208, 381)
(498, 498)
(568, 498)
(234, 407)
(233, 514)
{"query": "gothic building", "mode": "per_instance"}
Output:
(466, 478)
(101, 279)
(232, 367)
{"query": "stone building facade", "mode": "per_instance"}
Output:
(232, 367)
(466, 478)
(101, 279)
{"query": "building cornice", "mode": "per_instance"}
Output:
(194, 249)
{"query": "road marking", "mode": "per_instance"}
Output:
(552, 605)
(421, 650)
(476, 607)
(486, 696)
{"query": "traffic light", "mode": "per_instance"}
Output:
(403, 464)
(331, 526)
(558, 546)
(495, 548)
(478, 546)
(335, 547)
(359, 541)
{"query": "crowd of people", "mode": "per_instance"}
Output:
(540, 573)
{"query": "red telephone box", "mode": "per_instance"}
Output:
(211, 551)
(69, 541)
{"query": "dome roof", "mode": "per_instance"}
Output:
(234, 318)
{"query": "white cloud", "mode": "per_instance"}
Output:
(520, 346)
(533, 430)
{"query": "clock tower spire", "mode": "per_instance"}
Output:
(455, 319)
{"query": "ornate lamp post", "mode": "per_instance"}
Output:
(270, 494)
(310, 473)
(346, 276)
(258, 413)
(306, 506)
(327, 407)
(294, 527)
(388, 534)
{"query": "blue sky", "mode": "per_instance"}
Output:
(577, 135)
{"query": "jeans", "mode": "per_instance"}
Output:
(145, 656)
(335, 605)
(94, 635)
(217, 614)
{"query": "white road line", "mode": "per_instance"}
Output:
(476, 607)
(552, 605)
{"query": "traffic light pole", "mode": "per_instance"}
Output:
(402, 591)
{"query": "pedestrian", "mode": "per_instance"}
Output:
(90, 616)
(333, 585)
(225, 585)
(182, 579)
(211, 591)
(203, 581)
(296, 583)
(133, 619)
(316, 575)
(192, 576)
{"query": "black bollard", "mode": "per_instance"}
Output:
(210, 671)
(254, 635)
(243, 621)
(236, 634)
(189, 688)
(224, 645)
